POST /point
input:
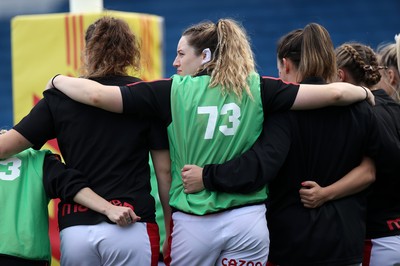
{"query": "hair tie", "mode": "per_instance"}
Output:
(52, 80)
(366, 93)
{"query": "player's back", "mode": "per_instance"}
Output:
(325, 145)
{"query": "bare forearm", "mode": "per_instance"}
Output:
(350, 93)
(312, 195)
(89, 92)
(12, 142)
(91, 200)
(163, 191)
(338, 93)
(162, 168)
(118, 214)
(355, 181)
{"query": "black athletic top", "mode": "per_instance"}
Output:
(111, 150)
(383, 210)
(325, 145)
(320, 145)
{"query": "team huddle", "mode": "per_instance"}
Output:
(251, 170)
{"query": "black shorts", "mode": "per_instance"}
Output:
(15, 261)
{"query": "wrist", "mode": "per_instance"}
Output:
(366, 92)
(53, 79)
(328, 193)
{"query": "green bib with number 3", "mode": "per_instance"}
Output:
(24, 213)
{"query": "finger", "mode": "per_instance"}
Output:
(308, 184)
(305, 201)
(304, 198)
(188, 190)
(131, 213)
(121, 222)
(186, 167)
(304, 192)
(137, 218)
(183, 175)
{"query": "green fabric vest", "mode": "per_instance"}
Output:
(24, 213)
(209, 127)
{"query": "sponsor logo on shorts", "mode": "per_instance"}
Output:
(235, 262)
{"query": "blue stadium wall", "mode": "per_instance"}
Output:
(368, 21)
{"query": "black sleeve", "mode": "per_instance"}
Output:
(37, 126)
(253, 169)
(277, 95)
(60, 182)
(152, 99)
(376, 139)
(384, 138)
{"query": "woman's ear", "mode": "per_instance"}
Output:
(393, 77)
(341, 75)
(287, 65)
(206, 56)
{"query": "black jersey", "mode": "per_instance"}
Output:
(383, 210)
(325, 145)
(111, 150)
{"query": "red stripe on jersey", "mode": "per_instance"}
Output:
(167, 256)
(367, 252)
(286, 82)
(141, 81)
(154, 237)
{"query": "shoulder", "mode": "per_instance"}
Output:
(273, 85)
(32, 153)
(158, 84)
(117, 80)
(53, 93)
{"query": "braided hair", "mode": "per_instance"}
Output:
(360, 61)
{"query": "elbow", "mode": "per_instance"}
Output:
(372, 175)
(372, 178)
(338, 96)
(369, 177)
(94, 98)
(3, 153)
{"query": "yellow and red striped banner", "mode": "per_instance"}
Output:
(45, 45)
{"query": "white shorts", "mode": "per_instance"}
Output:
(382, 251)
(233, 237)
(110, 244)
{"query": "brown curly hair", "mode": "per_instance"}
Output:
(111, 48)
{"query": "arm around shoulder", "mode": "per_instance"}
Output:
(89, 92)
(12, 142)
(311, 96)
